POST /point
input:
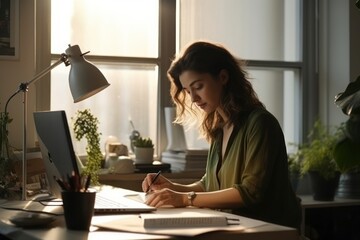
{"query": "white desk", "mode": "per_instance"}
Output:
(307, 202)
(57, 231)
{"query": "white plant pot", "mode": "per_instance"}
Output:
(144, 155)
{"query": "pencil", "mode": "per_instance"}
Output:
(153, 181)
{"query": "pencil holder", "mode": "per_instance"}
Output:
(78, 209)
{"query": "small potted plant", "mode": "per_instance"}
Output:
(144, 150)
(318, 161)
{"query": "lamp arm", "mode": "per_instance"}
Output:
(62, 59)
(24, 86)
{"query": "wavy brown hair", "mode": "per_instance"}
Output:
(238, 97)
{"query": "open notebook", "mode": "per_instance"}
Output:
(60, 160)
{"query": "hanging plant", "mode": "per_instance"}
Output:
(86, 125)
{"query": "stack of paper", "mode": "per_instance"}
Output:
(191, 159)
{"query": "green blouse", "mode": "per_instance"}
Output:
(255, 163)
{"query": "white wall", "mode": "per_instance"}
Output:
(339, 54)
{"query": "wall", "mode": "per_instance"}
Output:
(339, 58)
(13, 72)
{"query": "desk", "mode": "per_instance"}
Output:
(57, 231)
(307, 202)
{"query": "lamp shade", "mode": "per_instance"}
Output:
(85, 79)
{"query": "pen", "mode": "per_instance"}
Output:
(87, 183)
(153, 181)
(61, 183)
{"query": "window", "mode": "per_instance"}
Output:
(127, 40)
(265, 33)
(111, 30)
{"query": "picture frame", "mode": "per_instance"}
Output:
(9, 29)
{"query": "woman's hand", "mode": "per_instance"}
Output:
(166, 197)
(160, 182)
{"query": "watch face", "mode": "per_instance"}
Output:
(191, 195)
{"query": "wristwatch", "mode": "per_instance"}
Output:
(191, 196)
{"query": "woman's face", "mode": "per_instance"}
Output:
(203, 89)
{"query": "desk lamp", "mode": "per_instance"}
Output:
(85, 80)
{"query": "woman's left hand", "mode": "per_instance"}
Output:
(166, 197)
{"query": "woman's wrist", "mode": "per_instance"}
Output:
(191, 197)
(185, 199)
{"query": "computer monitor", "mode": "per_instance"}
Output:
(56, 147)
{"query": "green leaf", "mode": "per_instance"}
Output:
(347, 155)
(349, 101)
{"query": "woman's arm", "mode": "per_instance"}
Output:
(162, 182)
(226, 198)
(195, 187)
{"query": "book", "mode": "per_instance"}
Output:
(188, 154)
(184, 219)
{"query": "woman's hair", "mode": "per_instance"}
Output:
(238, 96)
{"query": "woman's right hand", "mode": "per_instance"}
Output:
(160, 183)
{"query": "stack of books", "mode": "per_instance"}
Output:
(191, 159)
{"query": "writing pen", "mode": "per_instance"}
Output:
(87, 183)
(153, 181)
(61, 184)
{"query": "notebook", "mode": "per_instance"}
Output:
(60, 160)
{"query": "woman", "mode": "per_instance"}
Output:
(247, 171)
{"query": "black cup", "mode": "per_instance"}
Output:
(78, 209)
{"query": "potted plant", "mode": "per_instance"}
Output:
(86, 125)
(144, 150)
(347, 150)
(319, 163)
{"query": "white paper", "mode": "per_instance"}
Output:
(134, 223)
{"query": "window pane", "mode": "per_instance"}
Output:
(278, 90)
(251, 29)
(107, 27)
(132, 95)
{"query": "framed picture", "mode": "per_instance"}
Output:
(9, 29)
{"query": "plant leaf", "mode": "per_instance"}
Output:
(349, 101)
